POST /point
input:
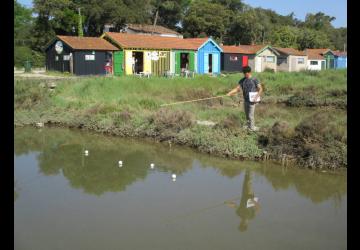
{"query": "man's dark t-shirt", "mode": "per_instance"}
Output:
(248, 85)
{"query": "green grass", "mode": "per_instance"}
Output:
(58, 73)
(129, 106)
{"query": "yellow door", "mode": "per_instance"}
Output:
(128, 62)
(147, 61)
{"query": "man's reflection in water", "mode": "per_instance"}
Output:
(249, 205)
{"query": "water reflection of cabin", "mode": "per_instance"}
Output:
(153, 55)
(78, 55)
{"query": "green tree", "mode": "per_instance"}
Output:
(168, 13)
(319, 21)
(80, 25)
(234, 5)
(117, 12)
(23, 22)
(338, 38)
(53, 17)
(245, 29)
(309, 38)
(200, 19)
(284, 36)
(23, 29)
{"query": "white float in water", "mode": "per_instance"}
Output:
(173, 176)
(86, 152)
(152, 165)
(120, 162)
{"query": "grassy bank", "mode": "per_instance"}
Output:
(302, 116)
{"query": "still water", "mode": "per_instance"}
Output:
(67, 200)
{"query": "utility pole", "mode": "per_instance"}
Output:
(80, 28)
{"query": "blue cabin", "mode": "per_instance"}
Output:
(340, 60)
(208, 56)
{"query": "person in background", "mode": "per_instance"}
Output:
(133, 64)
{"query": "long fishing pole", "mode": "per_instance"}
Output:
(196, 100)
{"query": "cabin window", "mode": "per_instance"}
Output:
(300, 60)
(233, 58)
(314, 63)
(270, 59)
(281, 60)
(66, 57)
(89, 57)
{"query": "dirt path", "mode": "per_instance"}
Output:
(39, 75)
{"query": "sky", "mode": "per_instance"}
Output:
(335, 8)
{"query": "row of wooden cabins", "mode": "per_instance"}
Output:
(260, 57)
(130, 54)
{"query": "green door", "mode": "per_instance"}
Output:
(118, 63)
(332, 63)
(322, 64)
(177, 62)
(192, 61)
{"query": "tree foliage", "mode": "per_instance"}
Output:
(200, 19)
(284, 36)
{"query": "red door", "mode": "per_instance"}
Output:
(245, 61)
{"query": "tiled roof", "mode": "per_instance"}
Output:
(243, 49)
(315, 54)
(230, 49)
(197, 41)
(340, 53)
(87, 43)
(290, 51)
(146, 28)
(126, 40)
(250, 49)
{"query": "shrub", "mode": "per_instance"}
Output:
(232, 121)
(301, 99)
(172, 119)
(337, 92)
(285, 89)
(148, 104)
(311, 72)
(27, 94)
(321, 126)
(121, 117)
(269, 70)
(23, 53)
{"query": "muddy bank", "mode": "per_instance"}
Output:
(279, 148)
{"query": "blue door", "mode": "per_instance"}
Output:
(206, 63)
(215, 63)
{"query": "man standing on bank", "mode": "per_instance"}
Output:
(248, 84)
